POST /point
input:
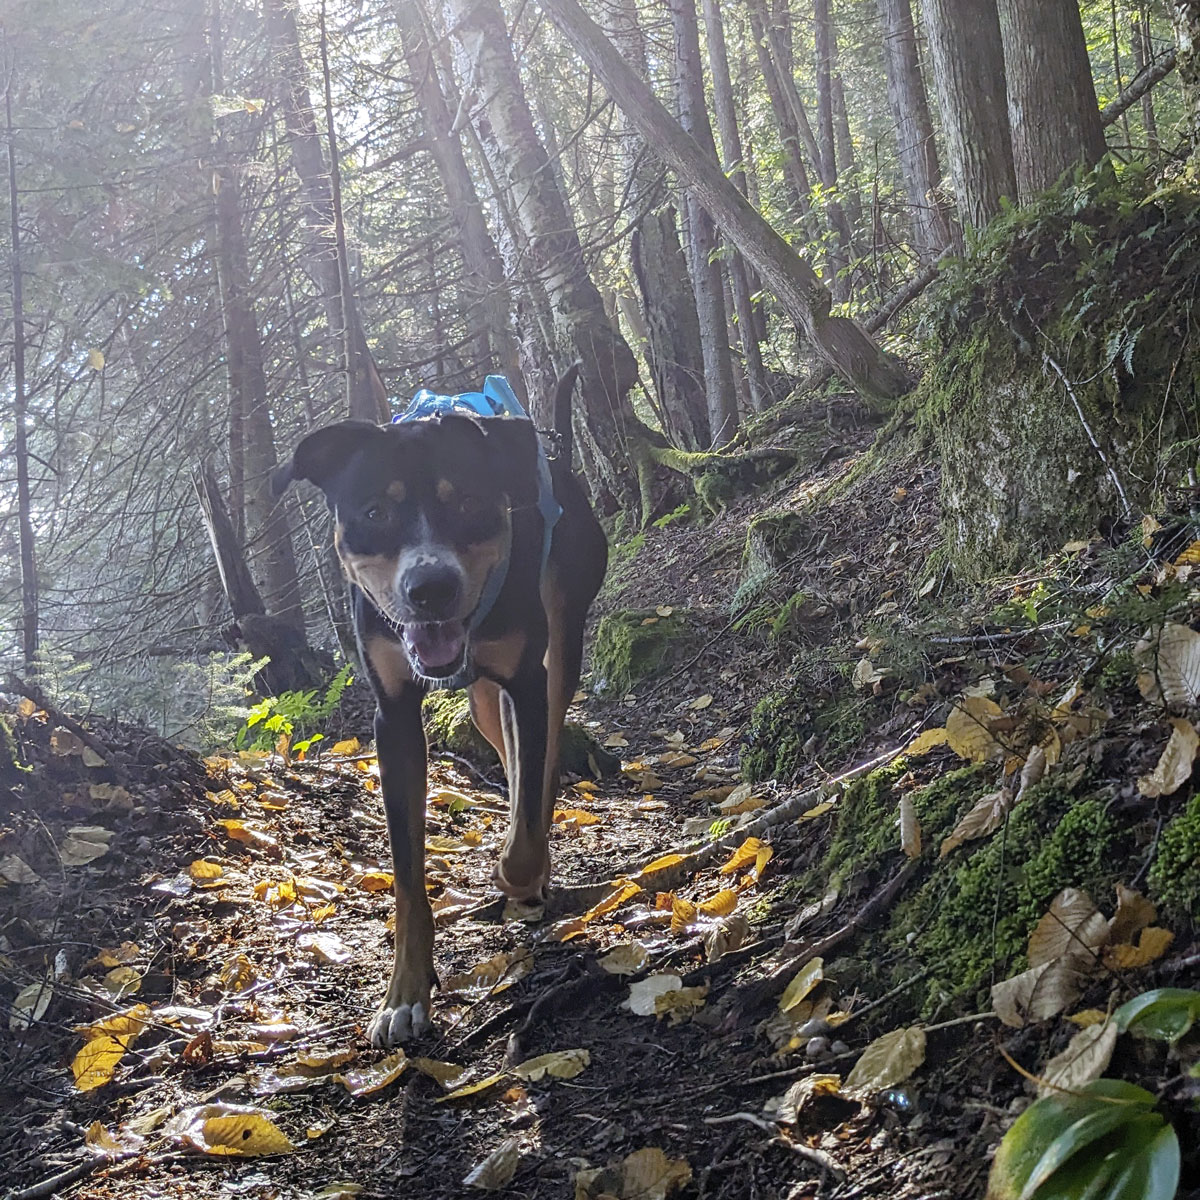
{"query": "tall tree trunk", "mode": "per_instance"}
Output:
(582, 327)
(1185, 17)
(1143, 53)
(703, 242)
(823, 43)
(483, 285)
(917, 149)
(840, 341)
(731, 149)
(1052, 109)
(29, 578)
(366, 396)
(968, 71)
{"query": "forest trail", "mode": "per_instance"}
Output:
(706, 976)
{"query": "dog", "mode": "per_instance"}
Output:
(460, 576)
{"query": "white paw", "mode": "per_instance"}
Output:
(393, 1026)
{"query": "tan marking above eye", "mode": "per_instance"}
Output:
(397, 490)
(444, 491)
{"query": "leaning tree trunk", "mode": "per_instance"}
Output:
(483, 282)
(366, 396)
(703, 242)
(731, 149)
(841, 342)
(1052, 109)
(915, 144)
(968, 70)
(1185, 16)
(583, 330)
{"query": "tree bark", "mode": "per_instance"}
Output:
(915, 144)
(842, 342)
(731, 149)
(1143, 55)
(1185, 17)
(1052, 109)
(366, 396)
(582, 328)
(703, 242)
(968, 70)
(483, 285)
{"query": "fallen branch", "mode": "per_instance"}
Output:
(823, 1160)
(1149, 75)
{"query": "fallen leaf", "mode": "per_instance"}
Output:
(1087, 1017)
(744, 855)
(1035, 766)
(229, 1129)
(1171, 666)
(1174, 767)
(1037, 994)
(30, 1005)
(1189, 557)
(786, 1109)
(84, 844)
(926, 741)
(1152, 944)
(238, 973)
(616, 741)
(324, 947)
(375, 1076)
(910, 828)
(204, 871)
(644, 994)
(103, 1141)
(561, 1064)
(251, 835)
(349, 746)
(494, 975)
(1073, 930)
(968, 728)
(1134, 913)
(887, 1061)
(14, 869)
(653, 868)
(643, 1175)
(106, 1042)
(701, 702)
(1085, 1058)
(494, 1172)
(802, 983)
(445, 1073)
(574, 818)
(473, 1089)
(626, 959)
(983, 817)
(727, 935)
(121, 982)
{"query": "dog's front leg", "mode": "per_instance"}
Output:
(400, 744)
(524, 869)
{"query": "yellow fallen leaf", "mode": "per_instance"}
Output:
(646, 1174)
(574, 818)
(664, 610)
(561, 1064)
(887, 1061)
(804, 981)
(1190, 557)
(95, 359)
(374, 1077)
(1088, 1017)
(229, 1129)
(445, 1073)
(1174, 767)
(443, 845)
(494, 975)
(121, 982)
(659, 864)
(349, 746)
(473, 1089)
(1152, 944)
(747, 853)
(376, 881)
(968, 728)
(124, 1025)
(683, 914)
(720, 905)
(244, 831)
(623, 891)
(817, 810)
(203, 871)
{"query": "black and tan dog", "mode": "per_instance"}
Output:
(430, 516)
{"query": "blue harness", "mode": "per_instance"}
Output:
(496, 402)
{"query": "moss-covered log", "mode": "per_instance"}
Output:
(631, 644)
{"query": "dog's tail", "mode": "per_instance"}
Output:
(563, 392)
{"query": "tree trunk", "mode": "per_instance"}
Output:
(703, 242)
(731, 148)
(823, 44)
(968, 70)
(366, 396)
(917, 149)
(1052, 109)
(581, 325)
(29, 578)
(1185, 16)
(483, 285)
(839, 340)
(1143, 54)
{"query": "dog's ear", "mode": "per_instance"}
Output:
(323, 453)
(513, 445)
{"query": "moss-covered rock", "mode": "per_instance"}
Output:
(1057, 344)
(449, 727)
(1175, 875)
(631, 644)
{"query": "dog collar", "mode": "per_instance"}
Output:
(497, 401)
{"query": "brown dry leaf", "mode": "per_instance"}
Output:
(238, 973)
(744, 855)
(30, 1005)
(804, 981)
(740, 800)
(680, 1003)
(324, 947)
(446, 1073)
(1035, 765)
(121, 982)
(728, 935)
(1073, 930)
(1174, 767)
(626, 959)
(561, 1064)
(1170, 666)
(968, 728)
(111, 795)
(924, 742)
(84, 844)
(786, 1109)
(983, 817)
(229, 1129)
(1134, 913)
(14, 869)
(866, 674)
(616, 741)
(103, 1141)
(701, 703)
(1037, 994)
(910, 828)
(494, 975)
(675, 759)
(643, 1175)
(1152, 944)
(375, 1076)
(887, 1061)
(497, 1169)
(1085, 1058)
(473, 1089)
(644, 994)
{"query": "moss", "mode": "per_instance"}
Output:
(1175, 875)
(626, 649)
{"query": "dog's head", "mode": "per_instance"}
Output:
(422, 513)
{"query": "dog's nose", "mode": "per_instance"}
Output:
(432, 590)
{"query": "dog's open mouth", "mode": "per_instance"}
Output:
(436, 647)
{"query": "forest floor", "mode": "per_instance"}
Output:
(235, 909)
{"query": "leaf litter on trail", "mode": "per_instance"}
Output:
(664, 996)
(105, 1045)
(30, 1005)
(560, 1064)
(497, 1169)
(228, 1129)
(494, 975)
(626, 959)
(374, 1077)
(1170, 666)
(1174, 767)
(887, 1061)
(646, 1174)
(1085, 1058)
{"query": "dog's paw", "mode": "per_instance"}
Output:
(394, 1025)
(523, 873)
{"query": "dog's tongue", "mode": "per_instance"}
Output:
(437, 644)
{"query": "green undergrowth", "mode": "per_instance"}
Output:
(1175, 875)
(631, 644)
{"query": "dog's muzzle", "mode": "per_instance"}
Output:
(436, 649)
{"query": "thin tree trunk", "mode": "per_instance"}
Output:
(932, 226)
(703, 242)
(1052, 109)
(731, 149)
(823, 40)
(583, 330)
(1143, 54)
(29, 577)
(968, 70)
(839, 340)
(1185, 17)
(366, 396)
